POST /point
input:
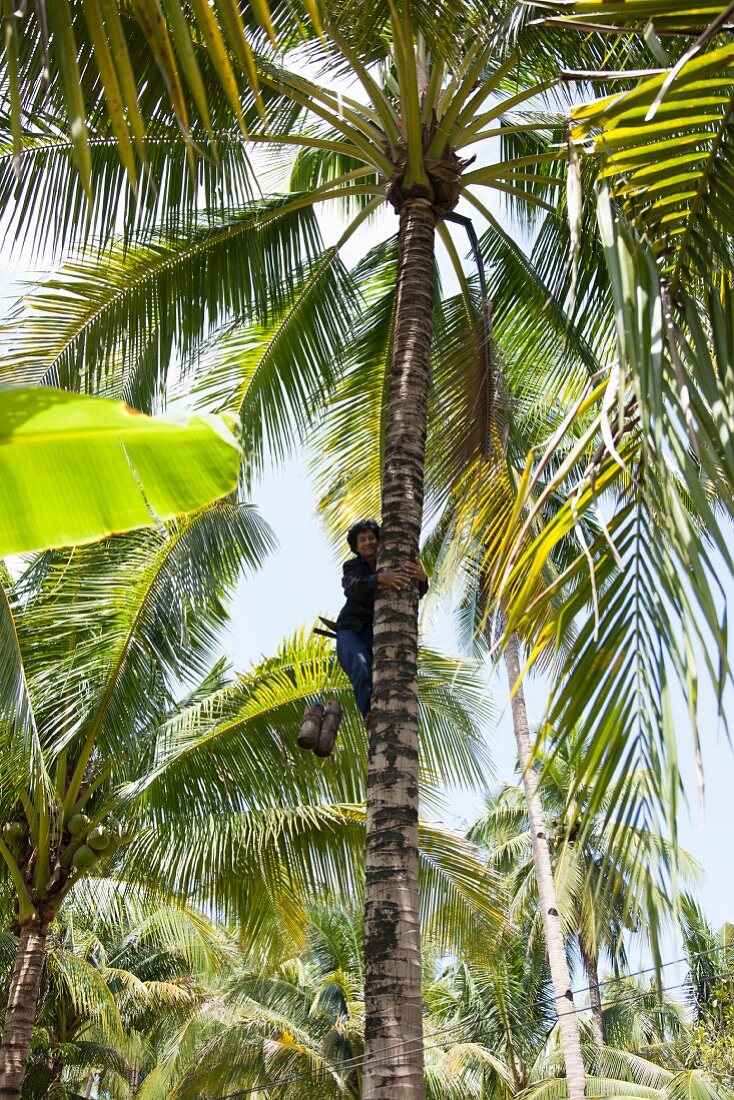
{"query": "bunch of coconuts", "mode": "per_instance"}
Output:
(87, 844)
(13, 834)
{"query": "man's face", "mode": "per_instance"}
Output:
(367, 545)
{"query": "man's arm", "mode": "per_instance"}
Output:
(416, 572)
(357, 583)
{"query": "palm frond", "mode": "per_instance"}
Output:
(666, 148)
(159, 598)
(676, 18)
(264, 866)
(461, 898)
(524, 286)
(86, 989)
(98, 57)
(315, 166)
(275, 377)
(442, 24)
(240, 737)
(347, 460)
(168, 194)
(272, 823)
(165, 295)
(693, 1084)
(454, 707)
(18, 732)
(633, 645)
(132, 918)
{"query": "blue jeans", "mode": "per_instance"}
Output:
(355, 657)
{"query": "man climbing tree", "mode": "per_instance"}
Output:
(361, 580)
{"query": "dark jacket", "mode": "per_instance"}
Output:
(359, 581)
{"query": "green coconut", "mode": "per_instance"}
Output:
(77, 824)
(13, 831)
(116, 832)
(99, 838)
(84, 857)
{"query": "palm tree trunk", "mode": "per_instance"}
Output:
(20, 1013)
(134, 1083)
(591, 967)
(554, 942)
(393, 1004)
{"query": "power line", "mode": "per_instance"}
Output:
(411, 1045)
(643, 993)
(650, 969)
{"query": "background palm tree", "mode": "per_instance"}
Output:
(667, 241)
(301, 1022)
(79, 622)
(611, 877)
(191, 1018)
(710, 992)
(123, 967)
(641, 1017)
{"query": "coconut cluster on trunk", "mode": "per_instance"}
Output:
(444, 176)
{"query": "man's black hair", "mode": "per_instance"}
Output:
(359, 528)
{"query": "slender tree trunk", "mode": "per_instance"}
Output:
(554, 942)
(393, 1002)
(134, 1084)
(597, 1015)
(20, 1013)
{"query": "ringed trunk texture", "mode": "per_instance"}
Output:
(393, 1006)
(134, 1078)
(597, 1014)
(20, 1013)
(554, 941)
